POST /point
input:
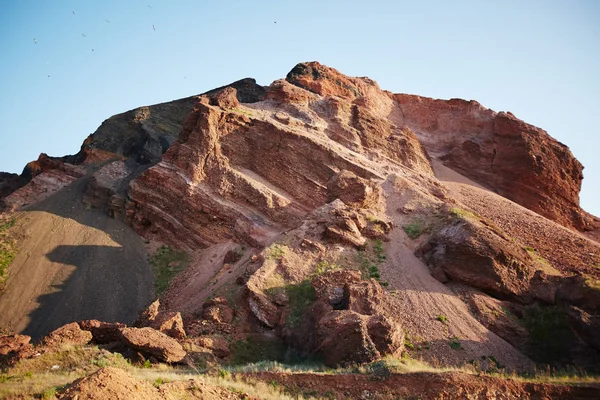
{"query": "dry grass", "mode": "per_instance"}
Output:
(237, 384)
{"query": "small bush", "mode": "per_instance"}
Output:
(413, 230)
(442, 318)
(455, 343)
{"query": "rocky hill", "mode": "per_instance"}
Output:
(318, 218)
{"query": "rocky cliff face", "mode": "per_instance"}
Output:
(516, 160)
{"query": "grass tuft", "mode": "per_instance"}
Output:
(167, 263)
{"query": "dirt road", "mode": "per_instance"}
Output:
(73, 264)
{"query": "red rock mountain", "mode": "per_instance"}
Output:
(340, 220)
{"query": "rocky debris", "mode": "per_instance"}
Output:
(109, 383)
(14, 348)
(345, 226)
(262, 308)
(170, 323)
(153, 342)
(217, 310)
(102, 332)
(496, 315)
(349, 322)
(148, 315)
(216, 344)
(13, 343)
(470, 252)
(353, 190)
(585, 325)
(69, 334)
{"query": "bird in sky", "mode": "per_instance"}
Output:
(107, 21)
(34, 41)
(83, 34)
(153, 28)
(73, 12)
(149, 6)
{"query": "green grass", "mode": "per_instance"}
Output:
(463, 214)
(300, 296)
(276, 251)
(414, 229)
(256, 350)
(454, 343)
(550, 335)
(323, 267)
(370, 259)
(167, 263)
(442, 318)
(8, 248)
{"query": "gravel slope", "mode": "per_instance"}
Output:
(73, 264)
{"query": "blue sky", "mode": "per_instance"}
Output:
(538, 59)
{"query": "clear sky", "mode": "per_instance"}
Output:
(68, 65)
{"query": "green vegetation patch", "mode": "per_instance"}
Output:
(254, 350)
(414, 229)
(550, 335)
(8, 248)
(370, 259)
(300, 297)
(167, 263)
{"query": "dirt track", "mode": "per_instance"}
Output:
(73, 264)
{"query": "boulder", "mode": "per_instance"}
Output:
(217, 310)
(14, 348)
(170, 323)
(148, 315)
(585, 325)
(153, 342)
(353, 190)
(497, 316)
(216, 344)
(102, 332)
(470, 252)
(13, 343)
(70, 334)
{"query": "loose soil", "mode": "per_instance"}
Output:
(73, 264)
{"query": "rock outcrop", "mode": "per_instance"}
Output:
(153, 342)
(102, 332)
(348, 322)
(70, 334)
(518, 161)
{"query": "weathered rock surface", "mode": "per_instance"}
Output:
(586, 326)
(102, 332)
(14, 348)
(497, 316)
(216, 344)
(154, 343)
(168, 322)
(469, 252)
(517, 160)
(349, 322)
(70, 334)
(217, 310)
